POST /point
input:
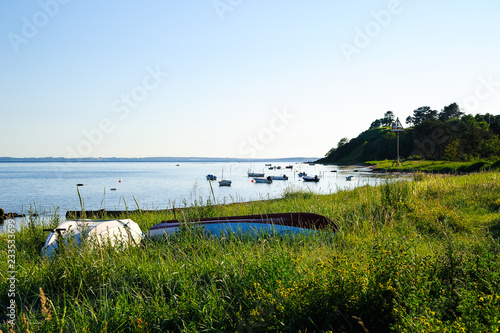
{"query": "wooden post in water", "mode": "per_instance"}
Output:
(397, 127)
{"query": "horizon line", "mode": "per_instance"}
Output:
(159, 157)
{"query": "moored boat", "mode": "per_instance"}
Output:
(225, 182)
(310, 178)
(255, 174)
(349, 178)
(284, 177)
(267, 180)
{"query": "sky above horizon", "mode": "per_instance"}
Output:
(233, 78)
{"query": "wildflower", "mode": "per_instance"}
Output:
(26, 324)
(45, 309)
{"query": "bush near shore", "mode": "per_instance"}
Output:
(410, 256)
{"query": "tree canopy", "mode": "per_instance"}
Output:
(387, 120)
(449, 134)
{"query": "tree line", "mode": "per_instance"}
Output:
(448, 134)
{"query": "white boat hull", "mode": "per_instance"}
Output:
(79, 232)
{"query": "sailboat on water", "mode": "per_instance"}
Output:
(224, 182)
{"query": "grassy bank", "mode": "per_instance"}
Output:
(436, 166)
(409, 256)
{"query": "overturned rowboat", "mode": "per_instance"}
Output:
(80, 232)
(279, 222)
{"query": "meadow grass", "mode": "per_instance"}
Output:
(436, 166)
(419, 256)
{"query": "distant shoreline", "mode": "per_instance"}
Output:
(153, 159)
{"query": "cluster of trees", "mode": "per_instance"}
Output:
(448, 134)
(420, 115)
(453, 136)
(387, 120)
(424, 113)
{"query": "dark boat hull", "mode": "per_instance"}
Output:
(280, 222)
(310, 179)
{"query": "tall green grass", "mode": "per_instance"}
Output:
(437, 166)
(408, 256)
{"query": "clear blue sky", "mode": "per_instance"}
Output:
(233, 78)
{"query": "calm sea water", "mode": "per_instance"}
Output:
(50, 188)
